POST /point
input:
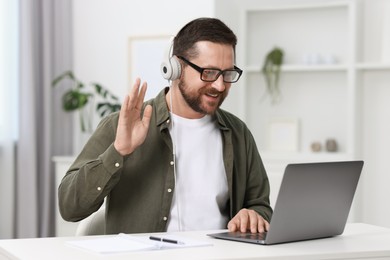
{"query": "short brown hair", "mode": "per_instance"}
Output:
(202, 29)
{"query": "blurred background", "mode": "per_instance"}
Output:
(331, 101)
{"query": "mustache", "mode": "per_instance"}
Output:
(211, 91)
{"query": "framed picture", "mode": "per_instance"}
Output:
(283, 134)
(145, 56)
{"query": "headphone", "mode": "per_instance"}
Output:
(171, 70)
(170, 67)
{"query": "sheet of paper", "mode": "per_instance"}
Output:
(128, 243)
(112, 244)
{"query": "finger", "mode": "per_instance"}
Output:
(133, 95)
(141, 95)
(262, 225)
(266, 225)
(244, 222)
(253, 221)
(232, 226)
(147, 115)
(125, 103)
(122, 113)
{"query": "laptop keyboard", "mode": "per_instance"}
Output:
(257, 236)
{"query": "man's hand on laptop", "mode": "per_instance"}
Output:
(248, 220)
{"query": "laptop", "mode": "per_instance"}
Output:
(314, 201)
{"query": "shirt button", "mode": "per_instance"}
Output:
(116, 165)
(165, 218)
(169, 190)
(171, 162)
(99, 188)
(168, 121)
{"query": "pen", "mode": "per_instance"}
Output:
(167, 240)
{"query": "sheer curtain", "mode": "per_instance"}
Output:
(44, 130)
(8, 112)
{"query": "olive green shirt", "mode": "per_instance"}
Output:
(139, 187)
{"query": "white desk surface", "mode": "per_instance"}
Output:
(359, 241)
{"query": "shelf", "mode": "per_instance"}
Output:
(302, 68)
(373, 66)
(293, 7)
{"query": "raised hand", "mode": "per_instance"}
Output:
(132, 129)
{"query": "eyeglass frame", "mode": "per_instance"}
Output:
(200, 70)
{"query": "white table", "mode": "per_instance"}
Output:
(359, 241)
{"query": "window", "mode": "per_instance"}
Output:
(8, 111)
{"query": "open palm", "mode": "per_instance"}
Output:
(132, 129)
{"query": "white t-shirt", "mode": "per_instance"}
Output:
(201, 194)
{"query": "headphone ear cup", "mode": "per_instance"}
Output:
(166, 70)
(170, 67)
(176, 68)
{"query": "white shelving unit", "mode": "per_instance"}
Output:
(302, 30)
(329, 88)
(372, 67)
(345, 100)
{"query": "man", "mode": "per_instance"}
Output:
(178, 161)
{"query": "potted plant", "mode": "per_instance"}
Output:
(271, 70)
(80, 95)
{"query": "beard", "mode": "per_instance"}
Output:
(194, 98)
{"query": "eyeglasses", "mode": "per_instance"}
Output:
(210, 75)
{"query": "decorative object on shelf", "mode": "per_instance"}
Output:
(312, 58)
(331, 145)
(271, 70)
(329, 59)
(316, 147)
(77, 98)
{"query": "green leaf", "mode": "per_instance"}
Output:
(66, 74)
(106, 108)
(98, 88)
(73, 100)
(114, 97)
(116, 107)
(80, 85)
